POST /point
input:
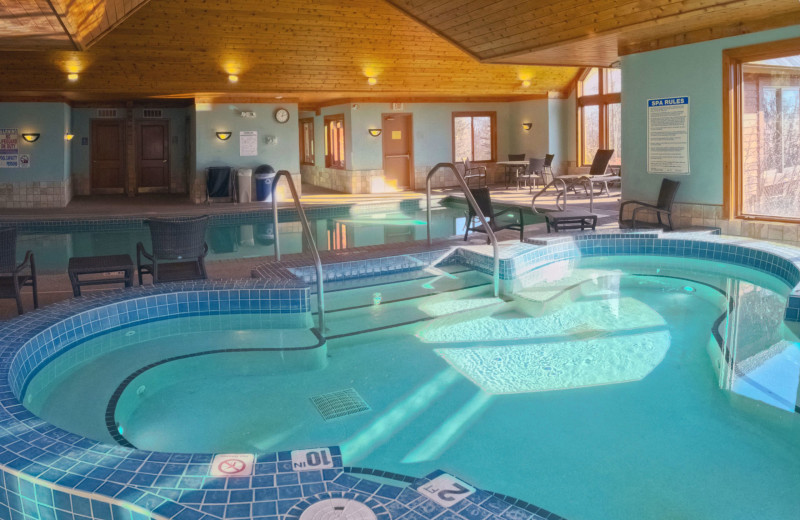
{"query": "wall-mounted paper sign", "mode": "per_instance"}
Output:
(668, 135)
(397, 134)
(248, 143)
(24, 160)
(9, 148)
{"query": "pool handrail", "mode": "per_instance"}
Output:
(478, 213)
(309, 239)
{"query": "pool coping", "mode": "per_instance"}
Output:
(43, 465)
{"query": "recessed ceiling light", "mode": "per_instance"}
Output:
(278, 97)
(526, 84)
(233, 78)
(72, 76)
(372, 81)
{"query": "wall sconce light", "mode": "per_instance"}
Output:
(372, 81)
(68, 136)
(374, 132)
(224, 136)
(31, 138)
(527, 126)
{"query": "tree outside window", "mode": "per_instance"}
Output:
(599, 114)
(474, 136)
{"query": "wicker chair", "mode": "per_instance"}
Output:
(484, 201)
(513, 171)
(14, 277)
(666, 196)
(474, 172)
(179, 250)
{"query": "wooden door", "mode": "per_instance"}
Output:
(152, 157)
(398, 151)
(108, 156)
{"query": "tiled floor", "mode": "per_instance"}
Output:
(53, 288)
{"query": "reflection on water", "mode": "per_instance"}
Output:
(250, 240)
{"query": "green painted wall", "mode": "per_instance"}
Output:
(50, 155)
(688, 70)
(284, 154)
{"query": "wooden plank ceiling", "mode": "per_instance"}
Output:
(311, 51)
(60, 24)
(590, 32)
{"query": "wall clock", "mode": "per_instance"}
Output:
(281, 115)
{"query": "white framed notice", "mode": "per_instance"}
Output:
(9, 148)
(248, 143)
(668, 135)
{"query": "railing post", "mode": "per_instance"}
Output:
(309, 238)
(478, 213)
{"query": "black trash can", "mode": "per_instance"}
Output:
(264, 175)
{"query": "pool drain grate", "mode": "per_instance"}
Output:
(339, 404)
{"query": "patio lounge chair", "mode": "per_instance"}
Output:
(666, 196)
(14, 277)
(474, 172)
(179, 250)
(598, 172)
(484, 201)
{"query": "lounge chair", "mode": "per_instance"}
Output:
(598, 172)
(14, 277)
(496, 224)
(179, 250)
(666, 196)
(474, 172)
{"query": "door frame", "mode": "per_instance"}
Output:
(122, 146)
(138, 147)
(411, 164)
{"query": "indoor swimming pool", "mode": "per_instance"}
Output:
(247, 236)
(593, 391)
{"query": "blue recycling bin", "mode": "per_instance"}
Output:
(265, 175)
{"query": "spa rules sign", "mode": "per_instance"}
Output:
(668, 135)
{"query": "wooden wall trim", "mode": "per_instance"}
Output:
(310, 107)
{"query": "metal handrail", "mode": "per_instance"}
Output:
(563, 192)
(309, 238)
(471, 201)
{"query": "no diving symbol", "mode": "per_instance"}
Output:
(231, 466)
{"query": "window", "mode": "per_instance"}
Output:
(307, 141)
(474, 136)
(599, 115)
(762, 131)
(334, 141)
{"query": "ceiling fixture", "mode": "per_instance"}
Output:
(72, 76)
(527, 126)
(233, 78)
(526, 83)
(224, 136)
(372, 81)
(374, 132)
(31, 138)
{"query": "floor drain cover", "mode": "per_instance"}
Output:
(339, 404)
(338, 509)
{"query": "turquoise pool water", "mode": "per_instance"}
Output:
(592, 393)
(251, 238)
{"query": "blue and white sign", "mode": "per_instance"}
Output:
(446, 490)
(9, 148)
(668, 135)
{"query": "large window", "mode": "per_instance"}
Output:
(763, 131)
(599, 115)
(307, 141)
(334, 141)
(475, 136)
